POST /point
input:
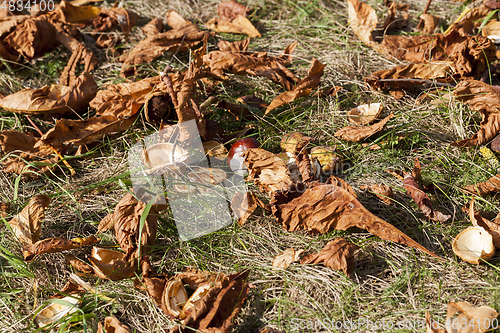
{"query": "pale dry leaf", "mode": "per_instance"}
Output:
(267, 171)
(112, 325)
(112, 265)
(286, 258)
(229, 10)
(239, 25)
(27, 225)
(363, 20)
(430, 23)
(481, 316)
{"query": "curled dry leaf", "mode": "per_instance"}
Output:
(151, 281)
(483, 98)
(112, 265)
(392, 20)
(218, 308)
(492, 227)
(81, 132)
(337, 181)
(480, 318)
(109, 18)
(321, 208)
(237, 46)
(244, 204)
(155, 26)
(56, 244)
(492, 185)
(239, 25)
(123, 100)
(383, 192)
(286, 258)
(359, 133)
(430, 23)
(302, 89)
(410, 183)
(229, 10)
(472, 19)
(112, 325)
(56, 99)
(24, 147)
(267, 171)
(338, 254)
(365, 114)
(56, 311)
(27, 225)
(363, 21)
(474, 245)
(78, 264)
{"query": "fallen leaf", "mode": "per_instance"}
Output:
(483, 98)
(482, 317)
(410, 183)
(337, 181)
(432, 326)
(218, 308)
(237, 46)
(363, 21)
(430, 23)
(239, 25)
(338, 254)
(112, 325)
(267, 171)
(112, 265)
(73, 13)
(27, 225)
(56, 311)
(112, 17)
(321, 208)
(472, 19)
(493, 228)
(155, 45)
(302, 89)
(359, 133)
(492, 185)
(56, 99)
(364, 114)
(151, 281)
(56, 244)
(243, 205)
(383, 192)
(78, 264)
(286, 258)
(492, 31)
(229, 10)
(392, 20)
(155, 26)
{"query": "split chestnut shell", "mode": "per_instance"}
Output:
(473, 245)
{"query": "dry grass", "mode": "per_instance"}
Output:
(390, 283)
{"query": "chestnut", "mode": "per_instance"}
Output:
(235, 155)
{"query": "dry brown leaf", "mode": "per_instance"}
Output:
(56, 244)
(229, 10)
(112, 265)
(432, 326)
(237, 46)
(412, 187)
(112, 325)
(430, 23)
(322, 208)
(492, 30)
(151, 281)
(337, 181)
(481, 316)
(240, 25)
(154, 46)
(363, 21)
(4, 209)
(78, 264)
(493, 228)
(338, 254)
(176, 21)
(243, 205)
(383, 192)
(56, 99)
(218, 309)
(155, 26)
(302, 89)
(81, 132)
(112, 17)
(359, 133)
(27, 225)
(473, 19)
(492, 185)
(259, 64)
(286, 258)
(365, 114)
(24, 147)
(267, 171)
(483, 98)
(392, 21)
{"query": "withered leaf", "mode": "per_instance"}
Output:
(493, 228)
(492, 185)
(112, 265)
(483, 98)
(392, 20)
(430, 23)
(56, 99)
(237, 46)
(359, 133)
(155, 26)
(73, 13)
(80, 132)
(337, 181)
(154, 283)
(472, 19)
(78, 264)
(218, 309)
(286, 258)
(154, 46)
(410, 183)
(302, 89)
(383, 192)
(112, 325)
(239, 25)
(322, 208)
(56, 244)
(229, 10)
(112, 17)
(363, 20)
(27, 225)
(123, 100)
(243, 205)
(267, 170)
(432, 326)
(482, 316)
(338, 254)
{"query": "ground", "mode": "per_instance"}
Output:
(391, 287)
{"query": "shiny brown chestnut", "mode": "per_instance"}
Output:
(235, 155)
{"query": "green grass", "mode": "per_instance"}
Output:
(390, 282)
